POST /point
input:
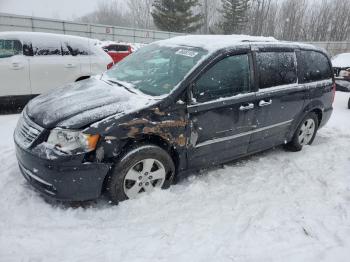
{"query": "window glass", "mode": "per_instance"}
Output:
(27, 48)
(313, 66)
(228, 77)
(77, 48)
(276, 69)
(65, 50)
(117, 48)
(10, 48)
(47, 46)
(122, 48)
(155, 69)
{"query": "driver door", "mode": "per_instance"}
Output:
(221, 113)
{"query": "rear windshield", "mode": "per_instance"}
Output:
(156, 70)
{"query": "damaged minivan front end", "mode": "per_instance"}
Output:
(70, 140)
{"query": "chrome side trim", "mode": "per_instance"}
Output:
(222, 139)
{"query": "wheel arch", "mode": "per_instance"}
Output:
(147, 139)
(155, 140)
(317, 109)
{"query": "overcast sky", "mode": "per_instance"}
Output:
(60, 9)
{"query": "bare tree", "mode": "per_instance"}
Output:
(141, 13)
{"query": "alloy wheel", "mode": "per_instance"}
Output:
(307, 132)
(144, 176)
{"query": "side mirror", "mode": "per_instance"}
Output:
(106, 50)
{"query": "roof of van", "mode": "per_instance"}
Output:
(214, 43)
(28, 35)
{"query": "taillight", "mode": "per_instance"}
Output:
(110, 65)
(334, 88)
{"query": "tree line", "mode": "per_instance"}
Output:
(296, 20)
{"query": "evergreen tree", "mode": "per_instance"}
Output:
(177, 15)
(234, 13)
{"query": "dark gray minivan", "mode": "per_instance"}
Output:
(176, 105)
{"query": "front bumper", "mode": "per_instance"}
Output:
(66, 178)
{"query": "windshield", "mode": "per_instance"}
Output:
(156, 70)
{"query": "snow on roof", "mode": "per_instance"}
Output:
(341, 60)
(214, 42)
(29, 35)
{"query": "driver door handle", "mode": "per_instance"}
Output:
(70, 65)
(265, 103)
(16, 66)
(246, 107)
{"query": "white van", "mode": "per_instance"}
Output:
(32, 63)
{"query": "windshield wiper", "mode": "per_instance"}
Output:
(121, 84)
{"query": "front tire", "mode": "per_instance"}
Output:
(142, 169)
(305, 133)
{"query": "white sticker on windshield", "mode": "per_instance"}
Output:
(185, 52)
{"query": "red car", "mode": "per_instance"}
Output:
(118, 51)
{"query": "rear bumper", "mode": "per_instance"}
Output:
(64, 179)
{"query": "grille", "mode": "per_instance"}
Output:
(27, 132)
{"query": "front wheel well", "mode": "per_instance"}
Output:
(147, 139)
(155, 140)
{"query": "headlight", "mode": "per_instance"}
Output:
(70, 141)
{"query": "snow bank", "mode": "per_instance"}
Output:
(274, 206)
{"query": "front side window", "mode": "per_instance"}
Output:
(314, 66)
(228, 77)
(10, 48)
(276, 69)
(156, 70)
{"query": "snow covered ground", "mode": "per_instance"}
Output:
(274, 206)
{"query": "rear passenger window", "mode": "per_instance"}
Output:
(313, 66)
(45, 47)
(228, 77)
(276, 69)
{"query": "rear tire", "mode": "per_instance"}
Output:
(349, 103)
(142, 169)
(305, 133)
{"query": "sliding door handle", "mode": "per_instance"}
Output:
(246, 107)
(265, 103)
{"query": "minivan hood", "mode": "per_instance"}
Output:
(82, 103)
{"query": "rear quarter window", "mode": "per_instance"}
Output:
(77, 48)
(313, 66)
(276, 69)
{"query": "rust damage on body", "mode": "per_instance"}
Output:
(170, 128)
